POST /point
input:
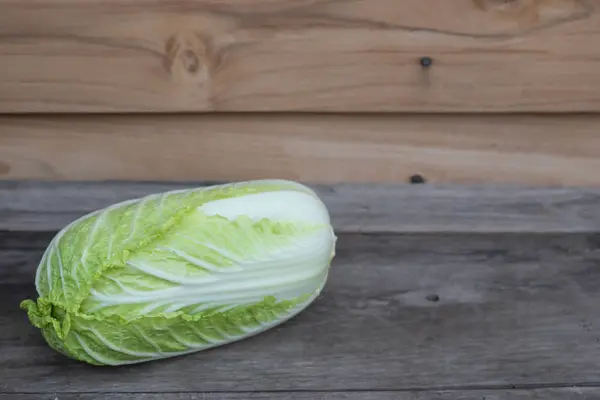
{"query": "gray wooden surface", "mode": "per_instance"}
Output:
(571, 393)
(435, 293)
(354, 208)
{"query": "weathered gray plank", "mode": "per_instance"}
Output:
(571, 393)
(19, 240)
(511, 309)
(42, 206)
(19, 253)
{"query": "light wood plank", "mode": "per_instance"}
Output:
(513, 309)
(319, 55)
(49, 206)
(527, 149)
(572, 393)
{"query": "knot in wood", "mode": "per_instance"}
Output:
(190, 61)
(185, 55)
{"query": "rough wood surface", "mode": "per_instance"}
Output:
(517, 149)
(444, 294)
(572, 393)
(344, 55)
(511, 309)
(49, 206)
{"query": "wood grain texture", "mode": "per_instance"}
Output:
(49, 206)
(474, 149)
(307, 55)
(572, 393)
(511, 310)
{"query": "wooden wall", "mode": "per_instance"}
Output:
(313, 90)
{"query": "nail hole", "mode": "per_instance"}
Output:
(433, 298)
(426, 62)
(417, 179)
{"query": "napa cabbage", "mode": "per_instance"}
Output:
(182, 271)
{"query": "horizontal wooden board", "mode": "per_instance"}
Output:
(571, 393)
(49, 206)
(307, 55)
(519, 149)
(511, 309)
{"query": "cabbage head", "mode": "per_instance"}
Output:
(182, 271)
